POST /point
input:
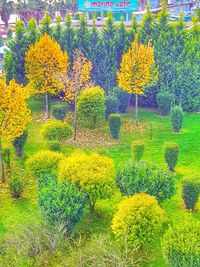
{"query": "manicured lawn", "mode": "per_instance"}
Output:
(154, 129)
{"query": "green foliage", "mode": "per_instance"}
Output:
(1, 41)
(190, 191)
(180, 245)
(44, 162)
(57, 131)
(45, 25)
(59, 111)
(147, 30)
(54, 146)
(19, 143)
(57, 33)
(16, 186)
(138, 220)
(136, 177)
(91, 106)
(6, 157)
(112, 105)
(60, 202)
(137, 148)
(33, 33)
(171, 151)
(114, 121)
(164, 100)
(123, 98)
(176, 118)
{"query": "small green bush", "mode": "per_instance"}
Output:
(6, 158)
(16, 186)
(123, 98)
(61, 202)
(114, 121)
(164, 100)
(44, 162)
(135, 177)
(59, 111)
(181, 246)
(57, 131)
(112, 105)
(54, 146)
(176, 118)
(137, 148)
(171, 151)
(19, 144)
(138, 220)
(190, 191)
(91, 106)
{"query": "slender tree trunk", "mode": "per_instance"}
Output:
(75, 117)
(47, 105)
(2, 173)
(136, 110)
(91, 209)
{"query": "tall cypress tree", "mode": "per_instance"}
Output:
(14, 63)
(57, 33)
(133, 30)
(32, 33)
(45, 25)
(147, 29)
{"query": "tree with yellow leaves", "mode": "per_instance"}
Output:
(14, 114)
(137, 70)
(45, 62)
(75, 81)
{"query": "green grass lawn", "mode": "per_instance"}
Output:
(154, 129)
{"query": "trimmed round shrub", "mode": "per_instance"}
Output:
(171, 151)
(54, 146)
(59, 111)
(164, 100)
(112, 105)
(57, 131)
(60, 202)
(137, 177)
(123, 98)
(91, 106)
(190, 191)
(181, 246)
(114, 121)
(44, 162)
(93, 173)
(176, 118)
(138, 220)
(19, 144)
(137, 148)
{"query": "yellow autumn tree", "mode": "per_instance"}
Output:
(45, 62)
(14, 114)
(137, 70)
(75, 81)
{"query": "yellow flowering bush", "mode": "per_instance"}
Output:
(138, 219)
(93, 173)
(44, 162)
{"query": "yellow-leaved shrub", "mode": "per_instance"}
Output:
(44, 162)
(93, 173)
(138, 219)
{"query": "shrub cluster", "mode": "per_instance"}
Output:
(136, 177)
(138, 219)
(59, 111)
(54, 146)
(112, 105)
(171, 151)
(123, 98)
(164, 100)
(137, 148)
(181, 246)
(190, 191)
(114, 121)
(176, 118)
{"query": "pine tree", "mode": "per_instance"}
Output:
(57, 33)
(133, 30)
(32, 34)
(163, 17)
(147, 29)
(45, 25)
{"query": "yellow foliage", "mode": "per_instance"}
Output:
(45, 63)
(138, 219)
(137, 68)
(14, 112)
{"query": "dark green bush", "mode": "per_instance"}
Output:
(171, 151)
(112, 105)
(180, 244)
(59, 111)
(19, 143)
(137, 177)
(61, 202)
(16, 186)
(54, 146)
(190, 191)
(114, 121)
(164, 100)
(176, 118)
(123, 98)
(137, 148)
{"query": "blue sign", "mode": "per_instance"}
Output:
(100, 5)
